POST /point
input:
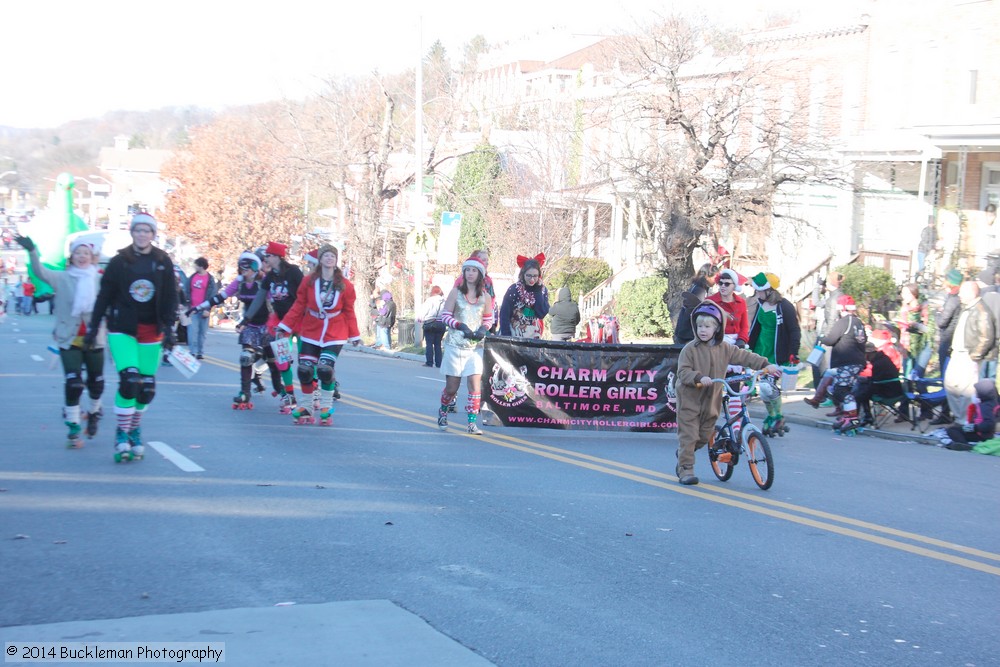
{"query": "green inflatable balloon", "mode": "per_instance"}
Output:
(50, 229)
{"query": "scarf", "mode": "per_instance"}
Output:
(525, 299)
(86, 290)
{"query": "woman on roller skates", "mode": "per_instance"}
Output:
(279, 289)
(139, 294)
(774, 334)
(75, 296)
(323, 317)
(252, 330)
(468, 314)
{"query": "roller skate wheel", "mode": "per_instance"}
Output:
(74, 444)
(326, 421)
(123, 457)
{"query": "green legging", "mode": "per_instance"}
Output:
(127, 352)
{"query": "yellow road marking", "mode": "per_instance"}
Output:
(741, 500)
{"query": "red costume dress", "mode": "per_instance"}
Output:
(322, 318)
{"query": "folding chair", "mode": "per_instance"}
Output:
(899, 408)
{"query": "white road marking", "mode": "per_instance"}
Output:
(35, 357)
(175, 457)
(21, 340)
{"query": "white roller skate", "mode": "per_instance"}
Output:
(123, 448)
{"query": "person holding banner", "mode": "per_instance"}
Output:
(75, 295)
(279, 289)
(323, 316)
(468, 314)
(139, 295)
(698, 398)
(526, 302)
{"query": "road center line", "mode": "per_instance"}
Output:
(175, 457)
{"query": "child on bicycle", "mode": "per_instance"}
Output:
(698, 398)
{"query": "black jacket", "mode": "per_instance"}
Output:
(847, 337)
(788, 336)
(946, 320)
(114, 300)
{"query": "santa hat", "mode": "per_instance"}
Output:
(311, 258)
(143, 219)
(846, 302)
(737, 279)
(276, 249)
(475, 263)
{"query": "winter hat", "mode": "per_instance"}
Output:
(276, 249)
(760, 282)
(311, 258)
(248, 260)
(79, 241)
(773, 280)
(986, 275)
(323, 249)
(846, 302)
(954, 277)
(142, 219)
(475, 263)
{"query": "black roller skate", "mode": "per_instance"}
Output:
(73, 439)
(242, 402)
(258, 384)
(123, 448)
(93, 419)
(336, 391)
(302, 416)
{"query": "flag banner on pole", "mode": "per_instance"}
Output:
(581, 386)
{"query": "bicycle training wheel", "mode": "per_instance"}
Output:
(722, 467)
(759, 458)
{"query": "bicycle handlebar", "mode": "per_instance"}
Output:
(750, 378)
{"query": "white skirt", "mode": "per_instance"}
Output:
(462, 361)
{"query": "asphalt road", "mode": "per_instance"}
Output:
(527, 546)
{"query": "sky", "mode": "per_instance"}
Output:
(69, 60)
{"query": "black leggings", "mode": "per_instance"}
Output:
(73, 360)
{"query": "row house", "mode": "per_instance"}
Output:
(904, 102)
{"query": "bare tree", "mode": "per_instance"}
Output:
(706, 135)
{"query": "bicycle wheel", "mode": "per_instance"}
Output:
(720, 457)
(759, 458)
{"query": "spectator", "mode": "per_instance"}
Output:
(928, 241)
(433, 327)
(912, 319)
(200, 287)
(701, 283)
(879, 378)
(946, 320)
(774, 325)
(991, 299)
(974, 339)
(565, 315)
(846, 339)
(28, 300)
(980, 419)
(385, 321)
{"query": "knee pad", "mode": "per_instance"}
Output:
(147, 389)
(128, 383)
(246, 357)
(324, 370)
(306, 369)
(74, 388)
(95, 386)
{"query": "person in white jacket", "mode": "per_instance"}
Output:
(83, 366)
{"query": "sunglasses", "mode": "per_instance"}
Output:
(725, 283)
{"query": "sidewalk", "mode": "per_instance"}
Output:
(796, 411)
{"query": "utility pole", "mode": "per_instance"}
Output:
(417, 208)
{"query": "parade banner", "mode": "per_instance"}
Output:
(582, 386)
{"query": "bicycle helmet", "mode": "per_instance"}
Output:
(715, 312)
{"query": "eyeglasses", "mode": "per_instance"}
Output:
(531, 275)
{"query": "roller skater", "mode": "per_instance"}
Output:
(468, 305)
(252, 330)
(774, 423)
(242, 402)
(73, 304)
(139, 295)
(323, 317)
(279, 289)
